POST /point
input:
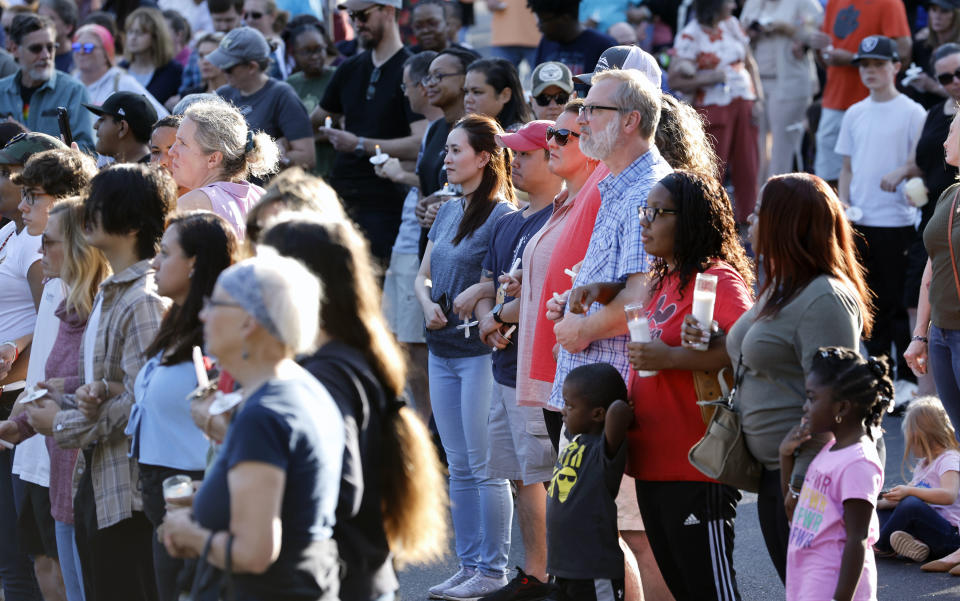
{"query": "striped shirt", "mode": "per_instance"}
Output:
(615, 253)
(131, 311)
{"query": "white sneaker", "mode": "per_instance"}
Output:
(480, 585)
(462, 575)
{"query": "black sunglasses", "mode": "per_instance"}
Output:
(561, 135)
(561, 98)
(947, 78)
(361, 16)
(371, 86)
(38, 48)
(651, 213)
(252, 16)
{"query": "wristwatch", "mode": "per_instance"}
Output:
(496, 313)
(359, 150)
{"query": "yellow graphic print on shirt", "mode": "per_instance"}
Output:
(565, 472)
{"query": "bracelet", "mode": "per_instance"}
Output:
(793, 491)
(16, 349)
(922, 339)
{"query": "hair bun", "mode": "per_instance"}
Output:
(877, 366)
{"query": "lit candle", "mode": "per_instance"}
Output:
(328, 122)
(376, 148)
(202, 380)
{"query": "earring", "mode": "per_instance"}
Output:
(191, 274)
(245, 354)
(838, 419)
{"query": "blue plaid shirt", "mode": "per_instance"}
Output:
(615, 253)
(191, 74)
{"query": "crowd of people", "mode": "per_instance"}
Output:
(293, 292)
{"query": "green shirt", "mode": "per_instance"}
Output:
(944, 304)
(310, 90)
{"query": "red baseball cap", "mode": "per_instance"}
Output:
(531, 136)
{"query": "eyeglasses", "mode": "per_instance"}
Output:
(589, 109)
(50, 47)
(361, 16)
(209, 303)
(47, 242)
(650, 214)
(435, 78)
(30, 197)
(87, 48)
(252, 16)
(561, 135)
(372, 85)
(947, 78)
(560, 98)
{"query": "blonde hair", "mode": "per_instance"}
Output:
(635, 93)
(221, 128)
(927, 431)
(161, 42)
(84, 267)
(293, 191)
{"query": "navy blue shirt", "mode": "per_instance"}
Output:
(510, 237)
(580, 55)
(294, 425)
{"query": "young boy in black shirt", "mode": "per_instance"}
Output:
(583, 550)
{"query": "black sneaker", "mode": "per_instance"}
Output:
(523, 587)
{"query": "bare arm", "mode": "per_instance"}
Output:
(302, 152)
(856, 516)
(193, 200)
(618, 421)
(946, 494)
(843, 185)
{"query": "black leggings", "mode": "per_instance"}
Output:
(773, 520)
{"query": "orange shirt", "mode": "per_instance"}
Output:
(847, 22)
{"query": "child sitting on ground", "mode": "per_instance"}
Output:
(835, 523)
(921, 518)
(583, 550)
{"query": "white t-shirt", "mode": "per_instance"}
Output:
(90, 338)
(118, 80)
(32, 461)
(19, 252)
(879, 137)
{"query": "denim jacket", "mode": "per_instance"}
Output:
(59, 90)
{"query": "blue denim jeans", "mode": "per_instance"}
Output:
(919, 519)
(482, 507)
(16, 569)
(69, 561)
(944, 351)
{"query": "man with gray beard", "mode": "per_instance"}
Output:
(369, 111)
(32, 94)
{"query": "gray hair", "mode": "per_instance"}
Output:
(635, 93)
(281, 294)
(221, 127)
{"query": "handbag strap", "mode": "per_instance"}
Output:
(953, 257)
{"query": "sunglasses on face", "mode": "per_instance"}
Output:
(87, 48)
(561, 135)
(948, 78)
(560, 98)
(38, 48)
(650, 214)
(252, 16)
(361, 16)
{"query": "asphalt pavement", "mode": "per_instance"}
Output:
(756, 577)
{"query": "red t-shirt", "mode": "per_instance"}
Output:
(668, 418)
(847, 22)
(571, 249)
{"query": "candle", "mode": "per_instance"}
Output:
(202, 380)
(704, 297)
(328, 122)
(571, 273)
(4, 443)
(510, 331)
(513, 268)
(558, 298)
(376, 148)
(639, 330)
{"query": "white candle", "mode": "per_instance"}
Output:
(9, 445)
(513, 268)
(704, 298)
(328, 122)
(376, 148)
(558, 298)
(510, 331)
(202, 380)
(571, 273)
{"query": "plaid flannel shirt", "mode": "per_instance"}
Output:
(130, 316)
(615, 253)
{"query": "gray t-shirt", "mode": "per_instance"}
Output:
(777, 352)
(275, 108)
(453, 269)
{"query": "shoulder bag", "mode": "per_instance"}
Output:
(722, 453)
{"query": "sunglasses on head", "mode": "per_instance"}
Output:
(38, 48)
(87, 48)
(252, 16)
(372, 85)
(561, 135)
(560, 98)
(947, 78)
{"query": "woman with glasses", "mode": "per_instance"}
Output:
(263, 16)
(492, 88)
(461, 379)
(149, 53)
(943, 27)
(93, 59)
(814, 296)
(312, 55)
(211, 77)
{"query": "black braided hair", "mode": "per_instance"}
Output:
(866, 383)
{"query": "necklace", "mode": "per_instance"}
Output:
(4, 245)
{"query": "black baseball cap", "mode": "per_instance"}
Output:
(877, 46)
(133, 108)
(22, 146)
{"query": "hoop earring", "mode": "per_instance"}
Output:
(838, 419)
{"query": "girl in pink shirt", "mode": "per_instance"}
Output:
(921, 518)
(835, 522)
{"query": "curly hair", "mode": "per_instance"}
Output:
(866, 383)
(682, 139)
(60, 172)
(706, 230)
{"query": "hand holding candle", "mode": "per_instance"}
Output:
(639, 329)
(203, 381)
(328, 122)
(704, 298)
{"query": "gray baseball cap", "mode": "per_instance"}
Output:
(362, 4)
(552, 73)
(241, 45)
